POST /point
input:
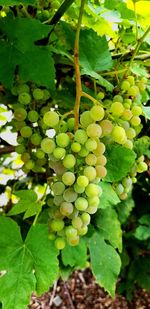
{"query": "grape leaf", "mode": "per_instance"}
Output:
(109, 196)
(75, 256)
(109, 226)
(27, 203)
(16, 2)
(146, 111)
(35, 62)
(119, 162)
(105, 263)
(100, 80)
(25, 266)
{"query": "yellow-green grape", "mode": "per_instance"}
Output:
(82, 181)
(68, 178)
(70, 195)
(101, 171)
(89, 172)
(144, 80)
(36, 139)
(131, 80)
(106, 126)
(25, 157)
(80, 136)
(133, 91)
(86, 218)
(60, 243)
(125, 85)
(24, 98)
(51, 119)
(40, 153)
(26, 131)
(66, 209)
(123, 196)
(71, 124)
(83, 230)
(94, 130)
(46, 95)
(57, 225)
(69, 161)
(101, 160)
(100, 95)
(20, 140)
(91, 159)
(30, 164)
(75, 147)
(70, 231)
(117, 109)
(119, 135)
(20, 114)
(83, 152)
(92, 190)
(100, 149)
(77, 222)
(136, 110)
(93, 201)
(33, 116)
(127, 103)
(73, 241)
(92, 210)
(119, 189)
(51, 236)
(81, 203)
(48, 145)
(140, 159)
(20, 149)
(58, 199)
(59, 153)
(38, 94)
(78, 188)
(128, 144)
(118, 98)
(135, 121)
(86, 119)
(127, 182)
(62, 140)
(131, 133)
(141, 167)
(91, 144)
(58, 188)
(127, 114)
(97, 113)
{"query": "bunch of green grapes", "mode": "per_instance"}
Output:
(78, 161)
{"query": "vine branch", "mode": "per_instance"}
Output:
(6, 149)
(77, 67)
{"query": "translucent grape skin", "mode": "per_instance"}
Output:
(97, 113)
(51, 119)
(119, 135)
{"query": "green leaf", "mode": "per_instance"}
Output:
(109, 226)
(24, 264)
(75, 256)
(16, 2)
(27, 203)
(119, 162)
(100, 80)
(35, 62)
(146, 111)
(142, 232)
(145, 219)
(109, 197)
(105, 263)
(142, 146)
(124, 209)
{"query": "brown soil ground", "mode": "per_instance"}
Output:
(82, 292)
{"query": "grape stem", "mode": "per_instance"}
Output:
(7, 149)
(77, 67)
(88, 96)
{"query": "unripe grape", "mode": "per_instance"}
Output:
(101, 160)
(68, 178)
(144, 80)
(46, 95)
(69, 161)
(131, 80)
(20, 140)
(119, 135)
(91, 144)
(20, 149)
(75, 147)
(142, 167)
(20, 114)
(57, 225)
(128, 144)
(24, 98)
(36, 139)
(82, 181)
(29, 164)
(118, 98)
(62, 140)
(70, 231)
(100, 149)
(127, 182)
(66, 209)
(106, 126)
(25, 157)
(51, 236)
(100, 95)
(94, 130)
(81, 203)
(101, 171)
(93, 201)
(91, 159)
(71, 124)
(38, 94)
(90, 172)
(86, 119)
(123, 196)
(70, 195)
(136, 110)
(33, 116)
(73, 241)
(93, 190)
(40, 154)
(131, 133)
(80, 136)
(119, 189)
(51, 119)
(133, 91)
(128, 102)
(97, 113)
(83, 230)
(125, 85)
(78, 188)
(135, 121)
(86, 218)
(48, 145)
(92, 210)
(26, 131)
(60, 243)
(58, 188)
(59, 153)
(58, 199)
(127, 114)
(117, 109)
(77, 223)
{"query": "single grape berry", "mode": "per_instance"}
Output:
(33, 116)
(62, 140)
(26, 131)
(48, 145)
(51, 119)
(20, 114)
(24, 98)
(60, 243)
(119, 135)
(97, 113)
(38, 94)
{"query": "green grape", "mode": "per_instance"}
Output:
(124, 124)
(75, 147)
(101, 160)
(62, 140)
(24, 98)
(140, 159)
(118, 98)
(86, 119)
(128, 102)
(25, 157)
(14, 90)
(44, 110)
(60, 243)
(26, 131)
(59, 153)
(71, 124)
(58, 200)
(123, 196)
(106, 126)
(119, 135)
(100, 95)
(73, 241)
(93, 201)
(81, 203)
(68, 178)
(92, 210)
(78, 188)
(33, 116)
(70, 195)
(82, 181)
(127, 182)
(70, 231)
(51, 236)
(94, 130)
(97, 113)
(62, 126)
(141, 167)
(128, 144)
(38, 94)
(90, 172)
(29, 164)
(23, 89)
(101, 171)
(127, 114)
(117, 109)
(83, 152)
(133, 91)
(136, 110)
(74, 214)
(93, 190)
(57, 215)
(135, 121)
(66, 209)
(91, 144)
(144, 80)
(48, 145)
(80, 136)
(57, 225)
(51, 119)
(46, 95)
(40, 154)
(20, 114)
(77, 222)
(131, 80)
(83, 230)
(20, 149)
(36, 139)
(86, 218)
(125, 85)
(119, 189)
(69, 161)
(58, 188)
(20, 140)
(100, 149)
(90, 159)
